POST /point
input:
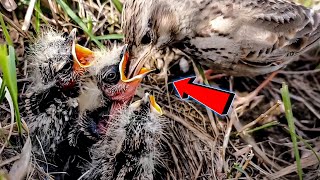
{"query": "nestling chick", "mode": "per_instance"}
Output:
(239, 37)
(130, 148)
(55, 60)
(50, 103)
(106, 89)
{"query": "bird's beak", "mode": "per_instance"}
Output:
(82, 56)
(154, 107)
(136, 104)
(124, 68)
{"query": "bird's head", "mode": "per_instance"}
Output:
(149, 26)
(55, 57)
(110, 69)
(145, 106)
(106, 88)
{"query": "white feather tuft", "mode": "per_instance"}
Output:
(90, 97)
(105, 58)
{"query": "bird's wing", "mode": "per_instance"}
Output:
(255, 30)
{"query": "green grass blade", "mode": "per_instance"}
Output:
(201, 72)
(289, 116)
(14, 86)
(8, 67)
(5, 31)
(238, 168)
(110, 37)
(90, 24)
(2, 92)
(38, 10)
(83, 26)
(37, 6)
(265, 126)
(306, 144)
(309, 147)
(118, 5)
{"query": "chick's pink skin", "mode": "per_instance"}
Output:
(120, 94)
(123, 91)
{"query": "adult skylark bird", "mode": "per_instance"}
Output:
(236, 37)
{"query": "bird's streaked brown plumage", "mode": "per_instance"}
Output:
(237, 37)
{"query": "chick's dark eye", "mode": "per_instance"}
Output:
(146, 39)
(65, 34)
(136, 112)
(111, 76)
(67, 66)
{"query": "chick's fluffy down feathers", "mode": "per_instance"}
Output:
(130, 148)
(93, 104)
(49, 110)
(104, 58)
(49, 50)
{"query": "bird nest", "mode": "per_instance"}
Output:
(252, 142)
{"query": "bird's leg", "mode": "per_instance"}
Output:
(164, 72)
(208, 76)
(242, 102)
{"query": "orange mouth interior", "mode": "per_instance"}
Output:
(154, 104)
(143, 70)
(124, 66)
(83, 57)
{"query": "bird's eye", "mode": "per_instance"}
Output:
(111, 76)
(65, 34)
(136, 113)
(67, 66)
(146, 39)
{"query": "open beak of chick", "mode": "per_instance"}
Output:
(130, 83)
(126, 87)
(82, 56)
(150, 101)
(137, 63)
(124, 68)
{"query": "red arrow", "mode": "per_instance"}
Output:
(215, 99)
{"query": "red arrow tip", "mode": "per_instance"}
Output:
(181, 86)
(215, 99)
